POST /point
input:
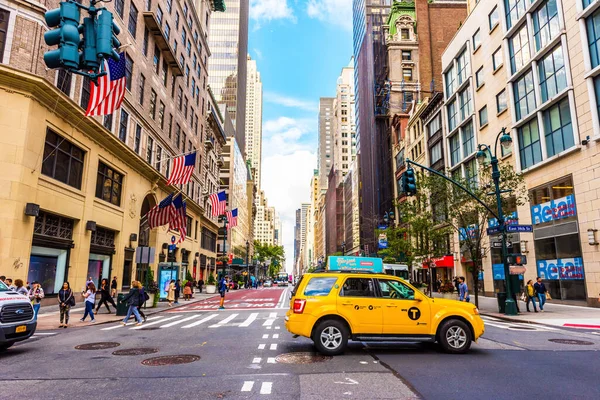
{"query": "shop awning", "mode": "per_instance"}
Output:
(441, 262)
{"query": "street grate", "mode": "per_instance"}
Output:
(571, 341)
(170, 360)
(97, 346)
(135, 352)
(301, 358)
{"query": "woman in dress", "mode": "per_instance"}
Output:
(171, 293)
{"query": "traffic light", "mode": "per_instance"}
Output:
(409, 182)
(66, 36)
(106, 35)
(516, 259)
(89, 58)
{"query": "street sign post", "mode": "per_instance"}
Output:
(519, 228)
(498, 245)
(494, 230)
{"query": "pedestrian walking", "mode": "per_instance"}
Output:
(223, 287)
(36, 294)
(143, 298)
(105, 297)
(113, 287)
(171, 292)
(200, 284)
(132, 299)
(187, 291)
(20, 287)
(530, 294)
(90, 301)
(90, 280)
(456, 283)
(66, 300)
(9, 283)
(541, 292)
(177, 290)
(463, 290)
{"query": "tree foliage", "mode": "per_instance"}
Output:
(274, 254)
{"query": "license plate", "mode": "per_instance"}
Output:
(20, 329)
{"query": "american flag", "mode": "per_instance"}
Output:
(179, 221)
(232, 218)
(183, 167)
(219, 203)
(108, 94)
(162, 213)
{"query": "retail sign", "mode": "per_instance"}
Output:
(509, 219)
(498, 272)
(519, 228)
(554, 210)
(562, 268)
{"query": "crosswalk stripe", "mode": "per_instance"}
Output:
(266, 387)
(276, 336)
(265, 336)
(269, 327)
(256, 360)
(180, 321)
(155, 322)
(249, 320)
(261, 346)
(273, 346)
(271, 360)
(203, 320)
(121, 326)
(247, 386)
(276, 327)
(226, 320)
(273, 315)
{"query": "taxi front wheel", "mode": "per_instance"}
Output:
(330, 337)
(455, 337)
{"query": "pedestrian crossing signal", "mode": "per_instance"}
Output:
(517, 259)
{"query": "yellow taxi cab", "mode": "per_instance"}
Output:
(332, 307)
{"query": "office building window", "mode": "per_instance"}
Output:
(107, 122)
(530, 149)
(141, 87)
(145, 43)
(524, 95)
(159, 15)
(109, 184)
(161, 115)
(468, 139)
(450, 82)
(168, 33)
(179, 98)
(149, 150)
(462, 64)
(483, 117)
(63, 81)
(133, 14)
(407, 74)
(514, 9)
(454, 150)
(152, 104)
(62, 160)
(156, 58)
(138, 138)
(177, 135)
(406, 55)
(597, 90)
(545, 24)
(123, 125)
(436, 152)
(158, 157)
(593, 33)
(493, 18)
(404, 34)
(518, 48)
(85, 92)
(471, 174)
(479, 77)
(558, 128)
(128, 71)
(587, 3)
(497, 59)
(476, 39)
(552, 73)
(119, 7)
(435, 125)
(452, 115)
(501, 101)
(466, 105)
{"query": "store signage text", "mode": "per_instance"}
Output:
(562, 268)
(554, 209)
(509, 219)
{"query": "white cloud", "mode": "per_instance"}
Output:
(291, 102)
(259, 54)
(286, 182)
(284, 136)
(335, 12)
(268, 10)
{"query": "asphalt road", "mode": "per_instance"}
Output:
(246, 353)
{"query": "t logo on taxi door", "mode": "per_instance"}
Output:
(414, 313)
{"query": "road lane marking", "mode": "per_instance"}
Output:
(276, 336)
(282, 299)
(276, 327)
(155, 322)
(203, 320)
(256, 360)
(265, 336)
(273, 315)
(44, 333)
(271, 360)
(121, 326)
(226, 320)
(266, 387)
(249, 320)
(247, 386)
(180, 321)
(273, 346)
(268, 323)
(261, 346)
(268, 327)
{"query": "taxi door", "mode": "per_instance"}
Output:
(358, 303)
(403, 313)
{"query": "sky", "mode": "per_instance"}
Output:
(300, 47)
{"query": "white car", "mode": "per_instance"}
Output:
(16, 317)
(268, 283)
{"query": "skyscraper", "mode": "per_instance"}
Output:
(326, 126)
(254, 120)
(227, 64)
(344, 135)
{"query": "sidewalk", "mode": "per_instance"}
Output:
(554, 314)
(48, 317)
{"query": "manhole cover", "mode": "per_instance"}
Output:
(135, 352)
(97, 346)
(301, 358)
(170, 360)
(525, 328)
(571, 341)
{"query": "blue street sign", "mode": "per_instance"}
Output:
(172, 247)
(494, 230)
(519, 228)
(173, 239)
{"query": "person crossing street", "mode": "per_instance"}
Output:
(223, 287)
(132, 299)
(105, 297)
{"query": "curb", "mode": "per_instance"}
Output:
(522, 321)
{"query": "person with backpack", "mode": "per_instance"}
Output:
(105, 296)
(463, 290)
(144, 297)
(132, 299)
(66, 300)
(223, 287)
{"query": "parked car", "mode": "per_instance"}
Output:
(268, 283)
(17, 321)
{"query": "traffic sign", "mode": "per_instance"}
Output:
(494, 230)
(498, 245)
(519, 228)
(173, 239)
(172, 247)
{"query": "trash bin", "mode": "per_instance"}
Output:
(121, 306)
(501, 296)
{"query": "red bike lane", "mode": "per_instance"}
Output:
(242, 299)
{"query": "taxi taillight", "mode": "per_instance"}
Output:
(299, 306)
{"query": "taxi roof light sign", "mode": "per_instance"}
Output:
(371, 264)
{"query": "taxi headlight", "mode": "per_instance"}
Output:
(476, 311)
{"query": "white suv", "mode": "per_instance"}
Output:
(16, 317)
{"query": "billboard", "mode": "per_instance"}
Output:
(337, 263)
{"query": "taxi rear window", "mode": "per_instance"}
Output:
(319, 286)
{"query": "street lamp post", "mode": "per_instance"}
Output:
(223, 218)
(247, 261)
(505, 141)
(344, 248)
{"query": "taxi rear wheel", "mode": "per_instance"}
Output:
(330, 337)
(455, 337)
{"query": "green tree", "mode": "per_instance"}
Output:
(272, 253)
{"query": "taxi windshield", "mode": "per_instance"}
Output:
(3, 287)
